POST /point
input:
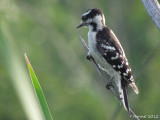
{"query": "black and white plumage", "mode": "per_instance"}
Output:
(108, 53)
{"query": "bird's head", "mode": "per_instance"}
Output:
(93, 18)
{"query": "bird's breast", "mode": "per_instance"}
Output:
(92, 43)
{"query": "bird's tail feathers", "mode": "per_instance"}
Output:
(125, 97)
(133, 85)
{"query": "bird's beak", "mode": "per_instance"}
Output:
(81, 24)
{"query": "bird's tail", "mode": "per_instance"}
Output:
(122, 91)
(123, 95)
(133, 85)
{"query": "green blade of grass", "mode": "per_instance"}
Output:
(38, 91)
(9, 53)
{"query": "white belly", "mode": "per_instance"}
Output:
(98, 57)
(104, 65)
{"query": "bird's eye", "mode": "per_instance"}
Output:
(84, 18)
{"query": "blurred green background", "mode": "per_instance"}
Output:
(46, 31)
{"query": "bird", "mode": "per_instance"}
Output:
(107, 52)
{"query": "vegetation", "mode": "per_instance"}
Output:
(38, 91)
(46, 31)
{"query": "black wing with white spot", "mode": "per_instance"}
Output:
(110, 48)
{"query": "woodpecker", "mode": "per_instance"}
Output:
(108, 53)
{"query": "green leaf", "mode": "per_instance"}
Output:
(38, 91)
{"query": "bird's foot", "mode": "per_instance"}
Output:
(89, 57)
(109, 84)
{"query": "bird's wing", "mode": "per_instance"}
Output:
(112, 51)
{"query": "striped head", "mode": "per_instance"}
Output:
(93, 18)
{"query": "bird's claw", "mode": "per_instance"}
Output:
(89, 57)
(109, 85)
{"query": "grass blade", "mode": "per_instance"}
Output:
(17, 73)
(38, 91)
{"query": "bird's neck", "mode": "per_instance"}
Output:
(96, 26)
(98, 23)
